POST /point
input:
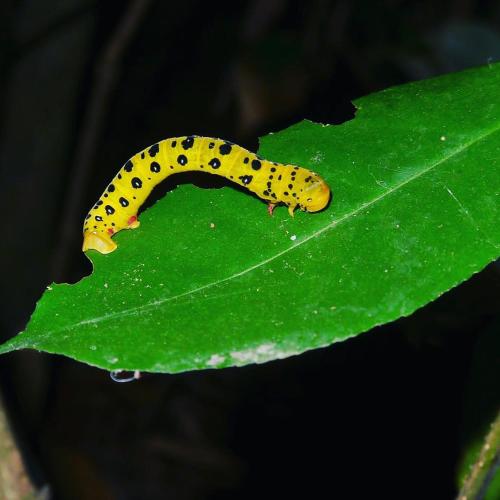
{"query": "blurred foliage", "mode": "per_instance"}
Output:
(481, 405)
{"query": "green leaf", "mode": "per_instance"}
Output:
(479, 472)
(210, 280)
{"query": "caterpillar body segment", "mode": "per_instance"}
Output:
(275, 183)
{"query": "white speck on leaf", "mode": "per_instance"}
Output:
(215, 360)
(318, 157)
(293, 237)
(261, 353)
(265, 348)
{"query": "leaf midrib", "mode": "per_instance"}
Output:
(136, 309)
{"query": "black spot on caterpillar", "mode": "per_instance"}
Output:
(256, 164)
(225, 149)
(153, 150)
(131, 186)
(245, 179)
(214, 163)
(155, 167)
(188, 142)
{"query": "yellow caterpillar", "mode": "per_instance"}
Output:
(275, 183)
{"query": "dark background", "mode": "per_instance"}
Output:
(86, 84)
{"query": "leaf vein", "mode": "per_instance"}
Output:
(137, 309)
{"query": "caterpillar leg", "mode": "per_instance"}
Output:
(100, 242)
(291, 209)
(270, 208)
(133, 222)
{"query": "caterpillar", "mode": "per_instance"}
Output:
(274, 182)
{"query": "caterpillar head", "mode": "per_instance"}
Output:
(100, 242)
(315, 196)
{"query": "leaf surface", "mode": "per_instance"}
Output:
(210, 280)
